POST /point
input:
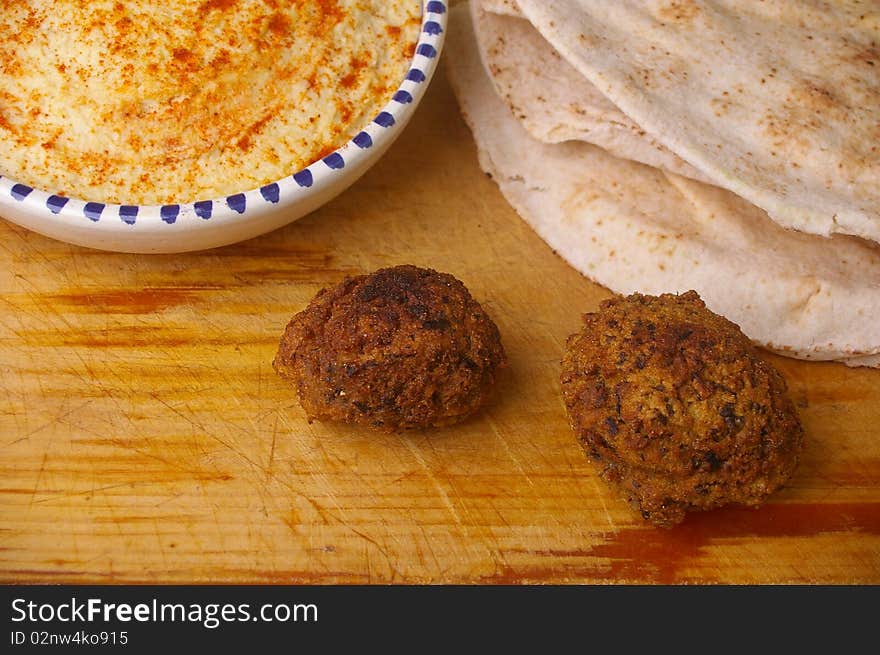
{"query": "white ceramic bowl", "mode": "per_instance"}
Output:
(220, 221)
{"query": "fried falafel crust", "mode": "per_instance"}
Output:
(401, 348)
(678, 407)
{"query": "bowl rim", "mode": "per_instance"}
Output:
(289, 190)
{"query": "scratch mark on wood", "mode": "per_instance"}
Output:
(272, 450)
(434, 481)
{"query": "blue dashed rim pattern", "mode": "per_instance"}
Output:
(422, 66)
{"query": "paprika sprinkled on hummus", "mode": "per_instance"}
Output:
(151, 102)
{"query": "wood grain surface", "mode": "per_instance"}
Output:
(145, 438)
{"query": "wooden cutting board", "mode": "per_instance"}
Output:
(145, 438)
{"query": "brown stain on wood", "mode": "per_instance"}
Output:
(682, 12)
(128, 301)
(659, 555)
(647, 554)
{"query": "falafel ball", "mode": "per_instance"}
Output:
(678, 407)
(402, 348)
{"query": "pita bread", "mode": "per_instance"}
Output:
(777, 101)
(635, 228)
(553, 101)
(503, 7)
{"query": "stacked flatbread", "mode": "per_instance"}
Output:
(727, 147)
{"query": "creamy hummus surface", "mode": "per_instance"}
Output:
(159, 101)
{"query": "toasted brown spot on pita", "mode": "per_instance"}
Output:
(681, 11)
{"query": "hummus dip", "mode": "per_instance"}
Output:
(152, 102)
